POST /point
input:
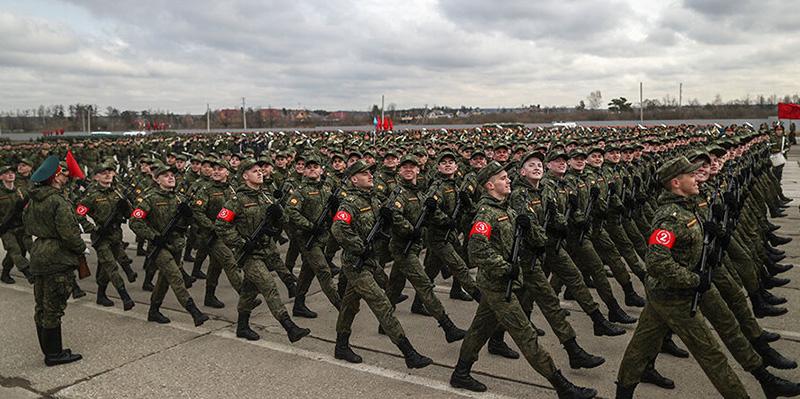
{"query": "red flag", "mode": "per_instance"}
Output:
(62, 132)
(788, 111)
(391, 125)
(72, 166)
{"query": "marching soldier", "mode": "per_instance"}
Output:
(15, 240)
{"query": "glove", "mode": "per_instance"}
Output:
(637, 180)
(387, 214)
(705, 281)
(365, 255)
(626, 181)
(415, 235)
(712, 229)
(524, 223)
(594, 192)
(274, 211)
(430, 205)
(248, 247)
(277, 194)
(317, 230)
(717, 212)
(20, 205)
(124, 208)
(334, 201)
(730, 200)
(159, 241)
(513, 273)
(466, 200)
(573, 201)
(551, 207)
(612, 188)
(185, 210)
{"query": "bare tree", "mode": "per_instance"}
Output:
(595, 100)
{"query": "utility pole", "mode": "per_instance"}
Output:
(208, 118)
(382, 118)
(680, 97)
(244, 115)
(89, 119)
(641, 104)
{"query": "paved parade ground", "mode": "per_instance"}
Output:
(124, 356)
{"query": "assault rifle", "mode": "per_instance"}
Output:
(376, 231)
(708, 246)
(514, 258)
(458, 208)
(566, 217)
(540, 256)
(324, 217)
(261, 229)
(592, 199)
(14, 215)
(423, 217)
(171, 226)
(120, 209)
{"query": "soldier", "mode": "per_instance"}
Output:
(236, 224)
(355, 218)
(490, 247)
(152, 214)
(54, 257)
(16, 241)
(675, 246)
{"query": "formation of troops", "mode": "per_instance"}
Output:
(539, 213)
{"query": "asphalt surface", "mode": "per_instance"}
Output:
(127, 357)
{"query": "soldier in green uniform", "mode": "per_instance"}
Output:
(357, 214)
(235, 223)
(490, 248)
(675, 247)
(153, 211)
(54, 257)
(16, 241)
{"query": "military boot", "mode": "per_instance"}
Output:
(446, 273)
(770, 336)
(147, 285)
(132, 275)
(568, 390)
(777, 268)
(631, 297)
(617, 315)
(498, 347)
(341, 286)
(211, 298)
(771, 281)
(243, 329)
(461, 377)
(187, 279)
(770, 356)
(197, 272)
(772, 227)
(291, 287)
(775, 240)
(140, 249)
(301, 310)
(451, 332)
(476, 295)
(651, 376)
(457, 293)
(413, 359)
(127, 302)
(77, 292)
(55, 354)
(102, 299)
(334, 269)
(669, 347)
(294, 332)
(624, 392)
(155, 315)
(6, 277)
(198, 316)
(28, 275)
(602, 326)
(771, 298)
(579, 358)
(343, 351)
(762, 309)
(418, 308)
(39, 330)
(187, 255)
(775, 386)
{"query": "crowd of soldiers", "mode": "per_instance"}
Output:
(686, 209)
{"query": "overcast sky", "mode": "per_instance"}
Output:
(344, 54)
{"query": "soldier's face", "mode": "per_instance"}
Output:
(716, 164)
(253, 176)
(195, 166)
(180, 164)
(299, 166)
(235, 161)
(280, 162)
(313, 171)
(166, 180)
(23, 168)
(267, 170)
(218, 173)
(363, 180)
(338, 164)
(105, 177)
(478, 161)
(352, 160)
(448, 166)
(206, 169)
(532, 169)
(595, 159)
(627, 155)
(558, 166)
(9, 176)
(369, 159)
(390, 161)
(577, 163)
(613, 156)
(703, 172)
(501, 155)
(686, 185)
(408, 171)
(499, 184)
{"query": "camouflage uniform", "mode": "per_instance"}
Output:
(16, 241)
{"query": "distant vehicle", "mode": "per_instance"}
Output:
(504, 125)
(565, 124)
(134, 133)
(101, 133)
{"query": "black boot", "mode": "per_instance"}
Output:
(762, 309)
(198, 316)
(147, 285)
(476, 295)
(211, 298)
(300, 309)
(341, 286)
(624, 392)
(772, 227)
(451, 332)
(140, 249)
(603, 326)
(566, 389)
(334, 269)
(775, 240)
(669, 347)
(579, 358)
(770, 336)
(446, 273)
(27, 273)
(6, 277)
(771, 298)
(771, 281)
(39, 330)
(127, 302)
(187, 255)
(291, 288)
(294, 332)
(652, 376)
(775, 386)
(197, 272)
(77, 292)
(498, 347)
(771, 357)
(187, 279)
(343, 351)
(413, 359)
(132, 275)
(102, 299)
(631, 297)
(55, 354)
(457, 293)
(418, 308)
(777, 213)
(243, 329)
(461, 377)
(155, 315)
(617, 315)
(777, 268)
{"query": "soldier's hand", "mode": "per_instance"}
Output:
(637, 180)
(366, 255)
(20, 205)
(185, 210)
(248, 246)
(430, 204)
(465, 198)
(717, 212)
(711, 228)
(415, 235)
(159, 240)
(594, 192)
(705, 281)
(626, 181)
(573, 201)
(277, 194)
(524, 223)
(274, 211)
(387, 214)
(551, 207)
(730, 199)
(612, 188)
(513, 272)
(317, 230)
(334, 201)
(124, 207)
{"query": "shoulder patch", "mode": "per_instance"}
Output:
(662, 237)
(481, 228)
(366, 208)
(199, 202)
(502, 218)
(249, 204)
(313, 193)
(398, 205)
(343, 216)
(692, 222)
(293, 201)
(101, 199)
(82, 210)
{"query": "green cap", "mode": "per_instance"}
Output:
(696, 154)
(4, 169)
(528, 155)
(247, 164)
(26, 161)
(161, 168)
(552, 155)
(358, 167)
(577, 151)
(446, 154)
(46, 171)
(490, 170)
(409, 158)
(102, 167)
(312, 158)
(674, 168)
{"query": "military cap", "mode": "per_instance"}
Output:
(237, 155)
(552, 155)
(338, 155)
(212, 155)
(390, 153)
(281, 154)
(490, 170)
(611, 147)
(266, 160)
(161, 168)
(500, 145)
(409, 158)
(102, 167)
(358, 167)
(247, 164)
(182, 157)
(577, 151)
(354, 154)
(626, 147)
(674, 168)
(596, 148)
(26, 161)
(445, 154)
(46, 171)
(693, 155)
(477, 152)
(4, 169)
(196, 158)
(528, 155)
(520, 147)
(716, 150)
(540, 146)
(311, 158)
(149, 161)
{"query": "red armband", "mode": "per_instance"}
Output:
(663, 237)
(226, 214)
(481, 228)
(82, 210)
(138, 213)
(343, 216)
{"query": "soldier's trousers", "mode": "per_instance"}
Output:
(440, 254)
(584, 255)
(220, 258)
(493, 310)
(734, 297)
(258, 280)
(292, 254)
(274, 264)
(561, 265)
(609, 254)
(16, 243)
(363, 286)
(331, 247)
(535, 287)
(409, 267)
(636, 237)
(314, 264)
(50, 293)
(658, 317)
(745, 267)
(169, 275)
(107, 268)
(625, 247)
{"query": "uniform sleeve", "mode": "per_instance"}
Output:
(481, 252)
(294, 212)
(137, 222)
(67, 227)
(81, 210)
(401, 225)
(660, 263)
(199, 217)
(225, 223)
(342, 229)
